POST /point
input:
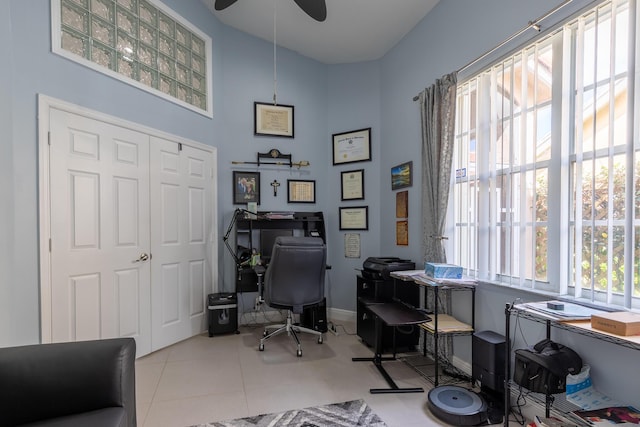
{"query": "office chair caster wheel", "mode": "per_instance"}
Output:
(299, 353)
(320, 340)
(261, 347)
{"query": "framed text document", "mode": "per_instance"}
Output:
(350, 147)
(355, 218)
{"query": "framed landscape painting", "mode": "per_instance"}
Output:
(402, 176)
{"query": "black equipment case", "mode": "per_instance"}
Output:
(544, 368)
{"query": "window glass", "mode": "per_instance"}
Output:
(553, 162)
(140, 42)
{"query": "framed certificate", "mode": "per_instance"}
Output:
(354, 218)
(273, 120)
(352, 185)
(301, 191)
(350, 147)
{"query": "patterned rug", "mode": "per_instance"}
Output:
(345, 414)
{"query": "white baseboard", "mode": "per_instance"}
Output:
(462, 365)
(340, 315)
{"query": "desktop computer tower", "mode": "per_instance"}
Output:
(315, 317)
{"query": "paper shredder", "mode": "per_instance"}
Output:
(223, 313)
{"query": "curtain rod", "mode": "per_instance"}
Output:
(531, 24)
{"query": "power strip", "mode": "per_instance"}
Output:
(332, 329)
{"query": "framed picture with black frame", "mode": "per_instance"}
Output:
(246, 187)
(352, 185)
(354, 218)
(351, 147)
(301, 191)
(273, 120)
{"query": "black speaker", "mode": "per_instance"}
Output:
(488, 350)
(315, 317)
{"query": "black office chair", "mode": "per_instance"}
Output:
(294, 279)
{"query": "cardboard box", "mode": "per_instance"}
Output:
(619, 323)
(442, 271)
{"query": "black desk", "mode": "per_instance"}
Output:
(391, 314)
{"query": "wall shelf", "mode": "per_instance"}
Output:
(275, 158)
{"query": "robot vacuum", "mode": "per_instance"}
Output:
(457, 406)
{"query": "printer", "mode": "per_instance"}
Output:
(379, 268)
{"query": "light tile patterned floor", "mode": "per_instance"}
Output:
(206, 379)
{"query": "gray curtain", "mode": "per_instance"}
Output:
(437, 108)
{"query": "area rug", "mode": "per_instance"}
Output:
(345, 414)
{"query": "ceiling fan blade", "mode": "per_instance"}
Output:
(223, 4)
(317, 9)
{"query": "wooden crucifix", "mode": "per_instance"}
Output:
(275, 184)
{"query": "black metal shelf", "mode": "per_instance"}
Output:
(439, 364)
(425, 365)
(556, 403)
(560, 408)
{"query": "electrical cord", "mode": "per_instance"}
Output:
(335, 327)
(521, 401)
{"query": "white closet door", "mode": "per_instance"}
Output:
(99, 192)
(181, 240)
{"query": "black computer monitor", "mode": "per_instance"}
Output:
(267, 239)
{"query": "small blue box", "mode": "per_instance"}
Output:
(442, 271)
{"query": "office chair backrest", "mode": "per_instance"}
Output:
(295, 275)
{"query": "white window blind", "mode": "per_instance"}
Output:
(546, 192)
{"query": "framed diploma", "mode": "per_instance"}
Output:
(350, 147)
(273, 120)
(354, 218)
(352, 185)
(301, 191)
(402, 233)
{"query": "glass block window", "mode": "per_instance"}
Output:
(141, 42)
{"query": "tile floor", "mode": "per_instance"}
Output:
(206, 379)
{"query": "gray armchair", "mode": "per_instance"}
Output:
(84, 383)
(294, 279)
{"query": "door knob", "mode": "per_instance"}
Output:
(143, 257)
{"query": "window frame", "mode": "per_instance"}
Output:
(56, 48)
(474, 229)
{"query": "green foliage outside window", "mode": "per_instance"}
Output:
(596, 197)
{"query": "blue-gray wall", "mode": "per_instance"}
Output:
(327, 98)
